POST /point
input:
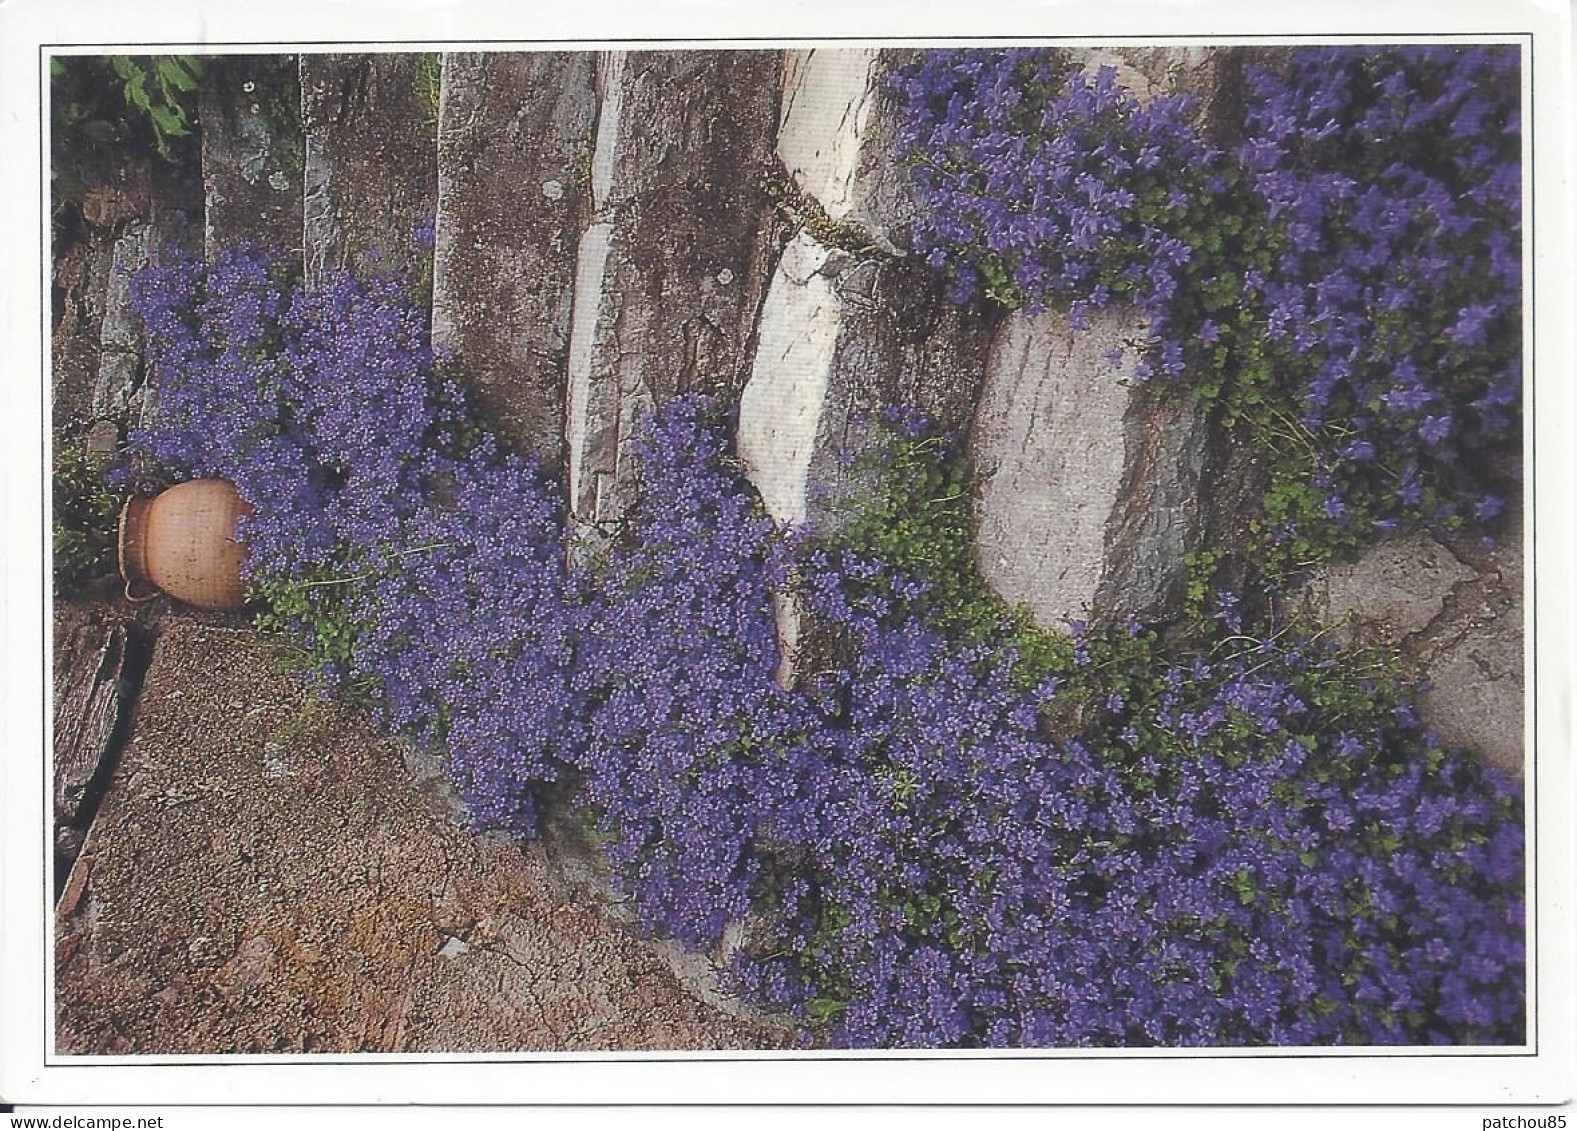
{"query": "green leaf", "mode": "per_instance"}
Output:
(172, 72)
(136, 92)
(170, 123)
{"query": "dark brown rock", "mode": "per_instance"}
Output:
(90, 692)
(371, 173)
(250, 114)
(514, 139)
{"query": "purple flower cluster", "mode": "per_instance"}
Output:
(1252, 844)
(1348, 278)
(675, 661)
(1249, 847)
(434, 559)
(1396, 296)
(1043, 186)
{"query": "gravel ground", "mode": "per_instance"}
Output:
(268, 874)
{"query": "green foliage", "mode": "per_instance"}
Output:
(315, 604)
(159, 87)
(427, 83)
(82, 522)
(126, 99)
(915, 510)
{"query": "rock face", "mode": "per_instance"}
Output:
(264, 876)
(95, 671)
(1460, 623)
(674, 264)
(1394, 591)
(835, 140)
(1088, 481)
(1476, 669)
(81, 283)
(514, 137)
(844, 334)
(370, 174)
(252, 152)
(121, 394)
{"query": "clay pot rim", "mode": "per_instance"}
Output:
(129, 547)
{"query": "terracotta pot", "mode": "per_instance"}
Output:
(183, 542)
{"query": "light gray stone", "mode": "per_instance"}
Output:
(674, 265)
(1476, 698)
(119, 381)
(370, 176)
(505, 256)
(782, 410)
(828, 97)
(1394, 590)
(1474, 658)
(1089, 482)
(840, 120)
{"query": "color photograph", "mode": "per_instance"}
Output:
(789, 549)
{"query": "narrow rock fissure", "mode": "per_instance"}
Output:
(135, 655)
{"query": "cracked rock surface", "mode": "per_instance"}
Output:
(514, 132)
(370, 164)
(265, 875)
(1458, 617)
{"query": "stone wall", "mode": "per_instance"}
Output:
(611, 230)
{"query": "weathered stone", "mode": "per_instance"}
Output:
(839, 340)
(371, 174)
(1089, 481)
(672, 270)
(1473, 657)
(514, 131)
(81, 282)
(252, 152)
(840, 122)
(828, 96)
(90, 694)
(1476, 699)
(120, 372)
(217, 909)
(782, 410)
(1458, 622)
(1394, 590)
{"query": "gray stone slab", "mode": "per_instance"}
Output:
(514, 137)
(840, 340)
(371, 168)
(252, 152)
(672, 272)
(1393, 591)
(1088, 480)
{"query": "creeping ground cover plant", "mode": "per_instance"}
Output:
(945, 833)
(1340, 272)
